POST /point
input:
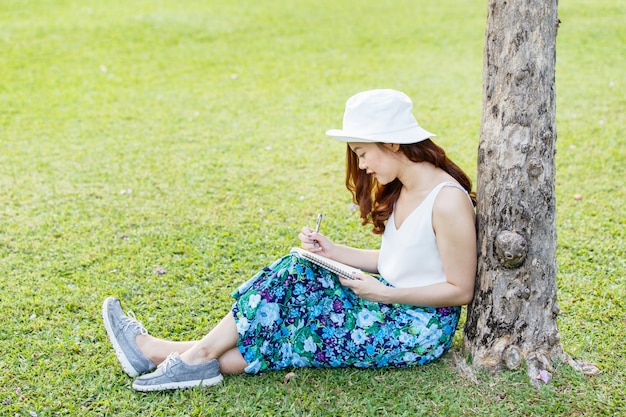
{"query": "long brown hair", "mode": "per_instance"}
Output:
(376, 201)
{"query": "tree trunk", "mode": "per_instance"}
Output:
(513, 317)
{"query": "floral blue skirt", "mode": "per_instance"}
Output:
(296, 314)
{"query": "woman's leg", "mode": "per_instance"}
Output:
(157, 349)
(232, 363)
(220, 343)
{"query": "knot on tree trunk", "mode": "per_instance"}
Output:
(511, 249)
(512, 357)
(535, 168)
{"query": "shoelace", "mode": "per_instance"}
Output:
(131, 321)
(171, 358)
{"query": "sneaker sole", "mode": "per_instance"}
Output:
(128, 368)
(178, 385)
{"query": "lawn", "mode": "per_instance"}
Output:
(163, 151)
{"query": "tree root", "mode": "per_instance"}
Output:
(538, 366)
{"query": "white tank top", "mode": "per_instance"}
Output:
(409, 256)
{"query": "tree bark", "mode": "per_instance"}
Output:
(513, 317)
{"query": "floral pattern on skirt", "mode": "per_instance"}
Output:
(296, 314)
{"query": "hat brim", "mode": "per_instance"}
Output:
(413, 135)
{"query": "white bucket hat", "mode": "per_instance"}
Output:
(380, 116)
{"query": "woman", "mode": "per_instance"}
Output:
(294, 313)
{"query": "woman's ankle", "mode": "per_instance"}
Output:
(197, 356)
(145, 344)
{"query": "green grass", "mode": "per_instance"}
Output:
(189, 136)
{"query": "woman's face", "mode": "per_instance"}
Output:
(376, 161)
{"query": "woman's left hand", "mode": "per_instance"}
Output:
(366, 287)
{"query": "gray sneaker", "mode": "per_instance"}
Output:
(173, 373)
(122, 330)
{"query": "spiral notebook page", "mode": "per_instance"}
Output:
(338, 268)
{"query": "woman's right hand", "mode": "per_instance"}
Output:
(316, 242)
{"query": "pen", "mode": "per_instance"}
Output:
(319, 221)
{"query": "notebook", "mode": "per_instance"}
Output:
(338, 268)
